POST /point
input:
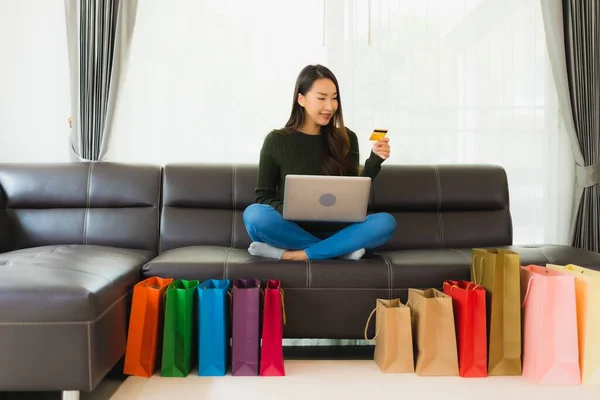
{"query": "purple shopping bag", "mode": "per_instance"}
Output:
(245, 327)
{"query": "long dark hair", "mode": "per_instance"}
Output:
(338, 144)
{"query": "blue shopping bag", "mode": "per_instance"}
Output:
(213, 327)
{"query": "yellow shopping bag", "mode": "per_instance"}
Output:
(499, 272)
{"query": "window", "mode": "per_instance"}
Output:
(466, 81)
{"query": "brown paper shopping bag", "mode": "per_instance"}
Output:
(499, 272)
(393, 336)
(433, 328)
(587, 299)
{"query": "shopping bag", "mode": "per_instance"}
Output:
(587, 294)
(498, 271)
(180, 325)
(213, 327)
(393, 336)
(550, 348)
(144, 338)
(468, 301)
(245, 327)
(433, 328)
(271, 354)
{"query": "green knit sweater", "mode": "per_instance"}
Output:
(300, 154)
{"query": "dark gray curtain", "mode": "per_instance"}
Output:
(98, 25)
(98, 34)
(582, 53)
(573, 39)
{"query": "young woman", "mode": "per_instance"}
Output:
(313, 142)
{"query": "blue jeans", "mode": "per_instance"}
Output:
(265, 224)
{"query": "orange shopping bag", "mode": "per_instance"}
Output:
(145, 326)
(550, 348)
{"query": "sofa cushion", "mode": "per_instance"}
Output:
(429, 268)
(70, 283)
(425, 268)
(216, 262)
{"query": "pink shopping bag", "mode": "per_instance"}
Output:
(587, 294)
(550, 346)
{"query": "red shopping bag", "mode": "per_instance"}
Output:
(468, 300)
(271, 354)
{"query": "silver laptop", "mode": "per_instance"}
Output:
(326, 198)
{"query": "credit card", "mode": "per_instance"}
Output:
(378, 134)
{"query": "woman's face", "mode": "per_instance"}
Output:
(320, 102)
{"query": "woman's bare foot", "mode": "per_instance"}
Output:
(298, 255)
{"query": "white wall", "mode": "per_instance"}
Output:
(34, 81)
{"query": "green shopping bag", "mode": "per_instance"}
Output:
(180, 322)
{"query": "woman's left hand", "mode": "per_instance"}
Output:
(382, 147)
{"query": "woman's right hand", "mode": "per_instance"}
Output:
(382, 147)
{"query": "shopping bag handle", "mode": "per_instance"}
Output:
(283, 307)
(478, 282)
(367, 326)
(451, 286)
(281, 293)
(230, 293)
(411, 300)
(467, 288)
(527, 292)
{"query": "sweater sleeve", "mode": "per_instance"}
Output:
(372, 164)
(268, 177)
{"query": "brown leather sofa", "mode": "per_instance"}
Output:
(442, 213)
(75, 238)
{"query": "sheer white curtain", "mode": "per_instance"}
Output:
(462, 81)
(209, 79)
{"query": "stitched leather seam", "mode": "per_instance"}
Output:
(62, 269)
(61, 249)
(87, 204)
(234, 206)
(463, 254)
(390, 273)
(158, 211)
(226, 263)
(439, 205)
(36, 255)
(308, 273)
(550, 260)
(89, 342)
(112, 249)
